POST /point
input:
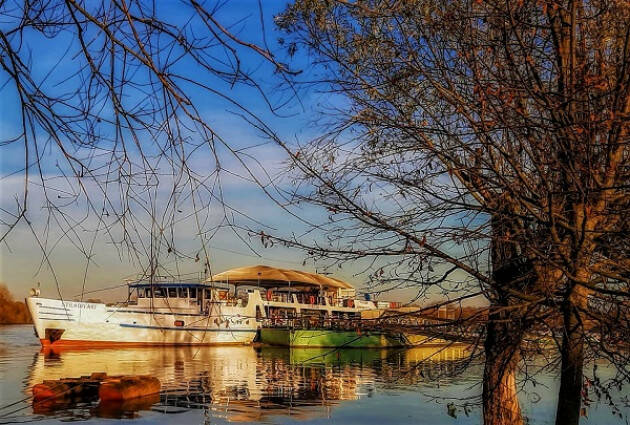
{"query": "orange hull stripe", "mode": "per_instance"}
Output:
(102, 344)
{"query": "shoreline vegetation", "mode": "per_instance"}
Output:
(12, 312)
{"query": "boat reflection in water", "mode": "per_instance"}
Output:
(242, 383)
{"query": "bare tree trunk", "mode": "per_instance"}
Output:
(500, 398)
(503, 330)
(572, 355)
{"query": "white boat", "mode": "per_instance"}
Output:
(165, 313)
(290, 296)
(227, 309)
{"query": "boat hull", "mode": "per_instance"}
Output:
(76, 324)
(334, 338)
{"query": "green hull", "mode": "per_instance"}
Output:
(333, 338)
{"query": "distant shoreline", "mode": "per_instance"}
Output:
(12, 312)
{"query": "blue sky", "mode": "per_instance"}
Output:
(22, 264)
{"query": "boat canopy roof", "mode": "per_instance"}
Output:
(270, 277)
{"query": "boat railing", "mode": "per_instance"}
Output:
(193, 278)
(312, 322)
(230, 301)
(308, 299)
(280, 298)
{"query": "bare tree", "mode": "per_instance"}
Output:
(480, 130)
(109, 125)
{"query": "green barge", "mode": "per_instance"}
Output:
(289, 337)
(301, 309)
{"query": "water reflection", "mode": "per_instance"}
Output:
(86, 408)
(244, 384)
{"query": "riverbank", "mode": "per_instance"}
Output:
(11, 311)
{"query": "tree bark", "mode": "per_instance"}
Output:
(572, 356)
(504, 329)
(500, 397)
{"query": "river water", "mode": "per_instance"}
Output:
(217, 385)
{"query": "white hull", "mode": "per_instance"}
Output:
(69, 323)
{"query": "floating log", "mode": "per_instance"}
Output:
(128, 387)
(97, 385)
(68, 388)
(50, 390)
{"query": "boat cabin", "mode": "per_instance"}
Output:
(180, 297)
(291, 296)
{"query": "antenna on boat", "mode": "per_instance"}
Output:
(127, 282)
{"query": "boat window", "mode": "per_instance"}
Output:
(172, 292)
(147, 292)
(208, 294)
(160, 292)
(193, 292)
(140, 293)
(183, 292)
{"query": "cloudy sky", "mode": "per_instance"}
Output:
(23, 264)
(68, 239)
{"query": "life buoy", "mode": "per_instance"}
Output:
(311, 299)
(269, 295)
